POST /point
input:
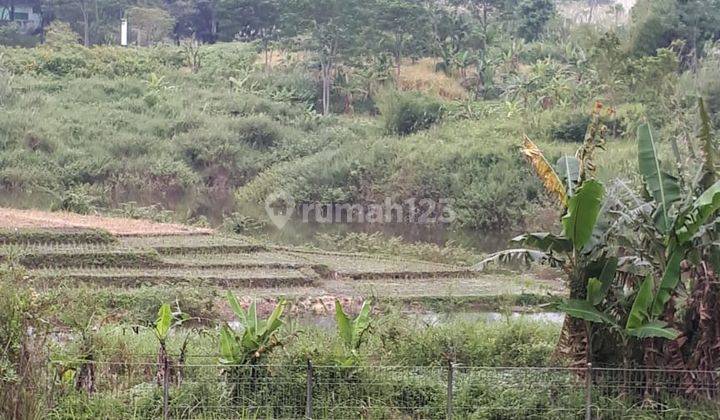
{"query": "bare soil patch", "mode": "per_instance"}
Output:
(37, 219)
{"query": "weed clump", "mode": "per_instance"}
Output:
(259, 131)
(405, 113)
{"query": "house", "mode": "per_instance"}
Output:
(26, 13)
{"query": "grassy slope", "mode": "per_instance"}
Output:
(147, 130)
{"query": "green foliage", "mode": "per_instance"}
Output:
(12, 35)
(153, 24)
(572, 127)
(163, 322)
(583, 212)
(598, 287)
(82, 199)
(406, 113)
(59, 35)
(350, 331)
(640, 312)
(259, 131)
(533, 16)
(653, 25)
(662, 186)
(258, 336)
(583, 309)
(19, 356)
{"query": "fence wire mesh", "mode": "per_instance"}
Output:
(207, 390)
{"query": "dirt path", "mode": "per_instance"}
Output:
(37, 219)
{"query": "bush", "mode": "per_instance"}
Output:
(13, 36)
(59, 35)
(405, 113)
(259, 131)
(572, 128)
(6, 86)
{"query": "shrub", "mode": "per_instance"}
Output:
(572, 127)
(59, 34)
(6, 86)
(405, 113)
(82, 199)
(259, 131)
(296, 85)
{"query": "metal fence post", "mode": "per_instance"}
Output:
(588, 392)
(166, 387)
(450, 380)
(309, 391)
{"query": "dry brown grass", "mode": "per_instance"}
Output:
(422, 77)
(37, 219)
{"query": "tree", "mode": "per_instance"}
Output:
(399, 22)
(657, 23)
(334, 29)
(252, 20)
(68, 10)
(653, 25)
(194, 18)
(151, 24)
(577, 250)
(533, 16)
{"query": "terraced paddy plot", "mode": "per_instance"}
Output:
(80, 255)
(251, 277)
(191, 244)
(364, 267)
(255, 259)
(38, 219)
(456, 287)
(48, 236)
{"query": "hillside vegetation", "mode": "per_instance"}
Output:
(203, 133)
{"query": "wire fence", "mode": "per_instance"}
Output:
(192, 391)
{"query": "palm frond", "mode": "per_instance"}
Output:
(550, 179)
(519, 256)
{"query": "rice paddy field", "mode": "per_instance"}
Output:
(172, 261)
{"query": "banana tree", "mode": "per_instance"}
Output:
(580, 250)
(679, 234)
(246, 349)
(257, 338)
(352, 332)
(584, 253)
(166, 322)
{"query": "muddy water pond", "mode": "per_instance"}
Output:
(430, 318)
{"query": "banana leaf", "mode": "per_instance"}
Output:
(663, 187)
(691, 220)
(163, 322)
(550, 179)
(585, 310)
(654, 329)
(545, 241)
(670, 280)
(568, 168)
(345, 327)
(598, 287)
(583, 212)
(640, 312)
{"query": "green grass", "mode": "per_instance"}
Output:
(106, 133)
(133, 277)
(192, 244)
(46, 236)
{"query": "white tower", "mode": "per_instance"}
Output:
(123, 32)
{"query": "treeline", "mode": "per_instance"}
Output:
(225, 20)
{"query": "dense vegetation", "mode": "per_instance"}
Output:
(146, 130)
(220, 104)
